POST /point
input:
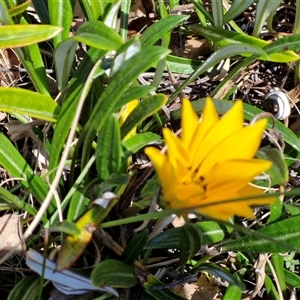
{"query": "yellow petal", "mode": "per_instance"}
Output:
(209, 119)
(176, 149)
(231, 122)
(242, 144)
(127, 109)
(225, 211)
(230, 173)
(161, 166)
(250, 190)
(189, 122)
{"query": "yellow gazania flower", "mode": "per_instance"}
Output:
(211, 163)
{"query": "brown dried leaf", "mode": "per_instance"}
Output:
(11, 235)
(203, 289)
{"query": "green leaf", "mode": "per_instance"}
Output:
(182, 65)
(233, 293)
(263, 10)
(145, 108)
(78, 205)
(70, 105)
(279, 173)
(160, 28)
(217, 13)
(224, 38)
(275, 210)
(14, 11)
(33, 62)
(64, 57)
(281, 46)
(278, 264)
(113, 273)
(65, 227)
(219, 272)
(291, 278)
(12, 36)
(134, 93)
(135, 247)
(236, 8)
(26, 289)
(14, 100)
(167, 239)
(61, 14)
(211, 232)
(271, 290)
(139, 141)
(41, 8)
(16, 201)
(96, 34)
(190, 242)
(15, 164)
(108, 151)
(283, 236)
(108, 100)
(216, 57)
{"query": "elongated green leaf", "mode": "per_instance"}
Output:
(224, 38)
(88, 10)
(190, 242)
(220, 272)
(285, 237)
(278, 264)
(249, 112)
(139, 141)
(135, 247)
(19, 8)
(64, 57)
(61, 14)
(30, 56)
(279, 173)
(263, 10)
(12, 36)
(65, 227)
(74, 245)
(78, 205)
(113, 273)
(109, 98)
(108, 151)
(291, 278)
(26, 289)
(70, 105)
(211, 232)
(284, 44)
(96, 34)
(160, 28)
(218, 56)
(236, 8)
(15, 164)
(182, 65)
(41, 8)
(29, 103)
(134, 93)
(145, 109)
(233, 293)
(159, 293)
(16, 201)
(271, 291)
(217, 13)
